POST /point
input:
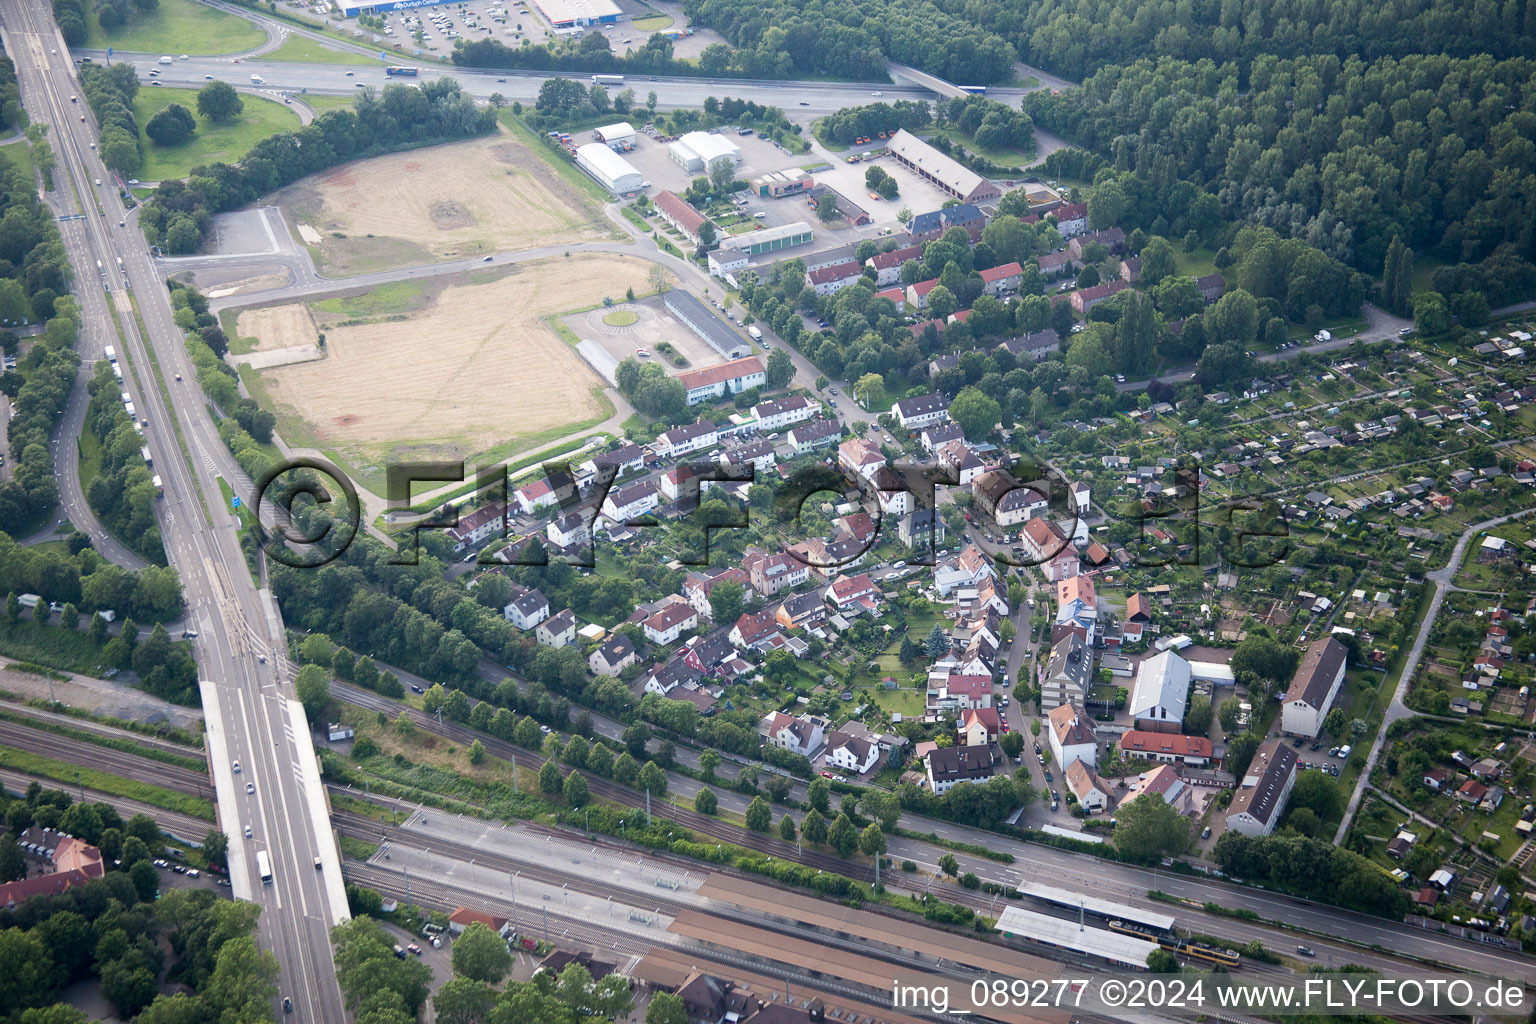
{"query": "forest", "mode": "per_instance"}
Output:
(1342, 154)
(400, 116)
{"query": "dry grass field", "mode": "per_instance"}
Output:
(470, 369)
(275, 327)
(444, 202)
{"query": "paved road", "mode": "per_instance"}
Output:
(250, 713)
(1398, 710)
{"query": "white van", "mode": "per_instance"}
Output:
(166, 60)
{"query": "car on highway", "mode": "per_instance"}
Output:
(1305, 950)
(287, 1005)
(237, 767)
(247, 831)
(250, 787)
(488, 259)
(189, 634)
(98, 181)
(207, 78)
(417, 689)
(351, 73)
(877, 94)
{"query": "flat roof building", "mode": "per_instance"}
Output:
(612, 171)
(944, 171)
(571, 13)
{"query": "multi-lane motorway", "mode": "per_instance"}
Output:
(251, 715)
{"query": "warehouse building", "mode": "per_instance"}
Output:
(756, 243)
(615, 173)
(619, 136)
(946, 172)
(701, 320)
(575, 13)
(698, 151)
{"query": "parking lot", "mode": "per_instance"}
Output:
(653, 327)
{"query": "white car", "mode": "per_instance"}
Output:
(237, 767)
(250, 787)
(247, 831)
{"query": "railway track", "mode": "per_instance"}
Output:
(101, 729)
(84, 753)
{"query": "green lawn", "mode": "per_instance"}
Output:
(652, 23)
(388, 299)
(1195, 264)
(321, 104)
(213, 142)
(1005, 157)
(177, 27)
(304, 50)
(20, 154)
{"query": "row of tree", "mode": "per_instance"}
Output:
(122, 493)
(38, 389)
(401, 116)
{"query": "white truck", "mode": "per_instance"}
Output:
(258, 80)
(166, 60)
(757, 335)
(110, 353)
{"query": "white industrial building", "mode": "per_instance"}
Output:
(619, 136)
(615, 173)
(698, 151)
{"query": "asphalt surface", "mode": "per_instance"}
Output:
(249, 707)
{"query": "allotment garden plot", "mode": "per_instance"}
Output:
(449, 369)
(445, 202)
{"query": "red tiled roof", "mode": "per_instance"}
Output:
(721, 372)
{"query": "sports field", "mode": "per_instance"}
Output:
(469, 369)
(445, 202)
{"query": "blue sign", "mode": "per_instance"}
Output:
(235, 501)
(383, 55)
(109, 51)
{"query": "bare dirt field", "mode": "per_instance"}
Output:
(470, 369)
(275, 327)
(444, 202)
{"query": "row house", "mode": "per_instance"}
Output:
(1071, 219)
(1169, 747)
(818, 433)
(684, 440)
(1084, 299)
(628, 458)
(802, 611)
(1054, 264)
(920, 411)
(759, 455)
(479, 526)
(917, 293)
(887, 265)
(778, 413)
(833, 279)
(897, 296)
(861, 457)
(1003, 279)
(1034, 346)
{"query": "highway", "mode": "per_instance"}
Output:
(799, 100)
(250, 712)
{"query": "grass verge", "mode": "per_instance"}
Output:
(118, 743)
(307, 50)
(176, 27)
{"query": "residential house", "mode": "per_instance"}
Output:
(1068, 673)
(1072, 736)
(685, 440)
(936, 436)
(629, 503)
(1262, 794)
(615, 655)
(483, 523)
(1042, 540)
(1138, 616)
(799, 735)
(1071, 219)
(776, 572)
(1172, 748)
(853, 754)
(854, 594)
(956, 691)
(923, 411)
(965, 569)
(1111, 238)
(1084, 299)
(1053, 264)
(832, 279)
(818, 433)
(557, 630)
(1212, 287)
(1077, 603)
(1164, 783)
(1003, 279)
(947, 767)
(728, 378)
(887, 265)
(527, 610)
(697, 587)
(569, 531)
(978, 727)
(1092, 792)
(1314, 688)
(802, 611)
(678, 213)
(778, 413)
(667, 625)
(1034, 346)
(544, 492)
(860, 457)
(922, 528)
